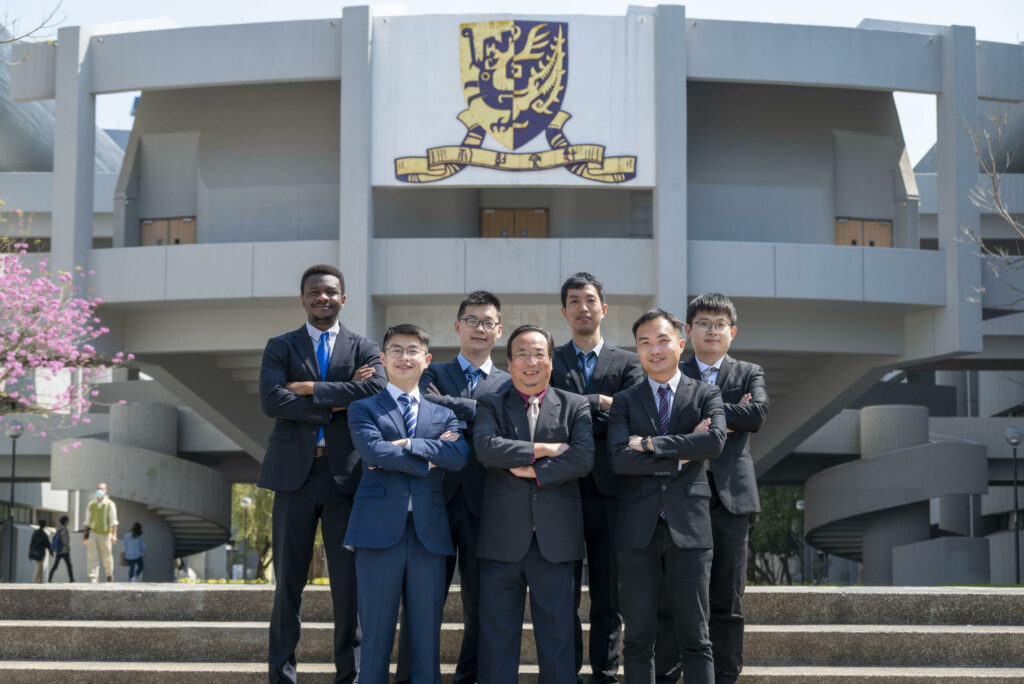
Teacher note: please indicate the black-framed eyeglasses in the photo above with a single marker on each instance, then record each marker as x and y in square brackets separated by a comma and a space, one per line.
[396, 352]
[487, 324]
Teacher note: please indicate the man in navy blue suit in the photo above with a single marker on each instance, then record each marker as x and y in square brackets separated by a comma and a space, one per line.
[399, 526]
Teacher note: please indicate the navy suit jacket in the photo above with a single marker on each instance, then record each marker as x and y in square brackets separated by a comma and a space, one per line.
[616, 369]
[291, 357]
[451, 381]
[393, 474]
[654, 481]
[734, 468]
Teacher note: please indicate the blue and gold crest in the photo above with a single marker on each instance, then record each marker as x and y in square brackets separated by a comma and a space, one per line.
[514, 78]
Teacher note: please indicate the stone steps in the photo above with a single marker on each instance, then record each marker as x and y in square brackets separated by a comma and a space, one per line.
[92, 672]
[218, 633]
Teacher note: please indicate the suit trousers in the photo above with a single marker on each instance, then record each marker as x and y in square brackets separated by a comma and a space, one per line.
[727, 584]
[502, 600]
[465, 529]
[295, 517]
[602, 579]
[664, 569]
[409, 573]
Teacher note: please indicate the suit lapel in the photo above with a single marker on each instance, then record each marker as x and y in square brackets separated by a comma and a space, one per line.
[684, 390]
[604, 360]
[455, 375]
[338, 353]
[390, 407]
[724, 370]
[690, 368]
[549, 409]
[647, 401]
[572, 366]
[517, 414]
[305, 350]
[493, 382]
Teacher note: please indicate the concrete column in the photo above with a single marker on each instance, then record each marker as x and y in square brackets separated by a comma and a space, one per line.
[888, 428]
[355, 218]
[958, 324]
[74, 151]
[669, 200]
[896, 527]
[145, 426]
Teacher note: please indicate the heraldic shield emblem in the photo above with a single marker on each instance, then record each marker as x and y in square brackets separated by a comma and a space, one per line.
[515, 76]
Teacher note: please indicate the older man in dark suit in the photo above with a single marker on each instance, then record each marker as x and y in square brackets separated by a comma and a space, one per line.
[307, 380]
[660, 433]
[589, 365]
[536, 442]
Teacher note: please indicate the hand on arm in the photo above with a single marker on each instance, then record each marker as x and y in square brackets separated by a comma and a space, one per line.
[604, 402]
[549, 449]
[526, 472]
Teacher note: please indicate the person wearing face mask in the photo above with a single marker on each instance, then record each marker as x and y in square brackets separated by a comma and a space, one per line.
[101, 534]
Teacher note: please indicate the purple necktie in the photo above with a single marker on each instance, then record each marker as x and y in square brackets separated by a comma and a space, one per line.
[664, 407]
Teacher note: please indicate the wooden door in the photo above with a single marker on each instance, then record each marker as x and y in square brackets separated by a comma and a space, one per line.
[153, 232]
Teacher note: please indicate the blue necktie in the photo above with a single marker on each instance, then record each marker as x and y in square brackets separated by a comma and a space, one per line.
[587, 364]
[473, 378]
[323, 359]
[408, 414]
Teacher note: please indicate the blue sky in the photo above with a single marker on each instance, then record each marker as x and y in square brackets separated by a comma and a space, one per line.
[995, 20]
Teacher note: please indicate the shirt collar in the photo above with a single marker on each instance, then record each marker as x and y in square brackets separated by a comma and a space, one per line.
[486, 366]
[717, 365]
[596, 350]
[314, 332]
[526, 397]
[396, 392]
[673, 383]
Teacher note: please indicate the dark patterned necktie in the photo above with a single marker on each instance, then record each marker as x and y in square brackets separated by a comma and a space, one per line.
[664, 407]
[473, 378]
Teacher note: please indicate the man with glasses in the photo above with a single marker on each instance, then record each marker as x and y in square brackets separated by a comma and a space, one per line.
[399, 527]
[590, 366]
[308, 379]
[535, 441]
[457, 385]
[711, 327]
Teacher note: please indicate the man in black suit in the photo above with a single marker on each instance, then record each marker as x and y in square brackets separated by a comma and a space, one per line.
[658, 442]
[711, 327]
[457, 385]
[535, 442]
[307, 380]
[590, 366]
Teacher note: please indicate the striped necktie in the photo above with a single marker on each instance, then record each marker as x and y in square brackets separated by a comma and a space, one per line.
[408, 414]
[664, 407]
[472, 378]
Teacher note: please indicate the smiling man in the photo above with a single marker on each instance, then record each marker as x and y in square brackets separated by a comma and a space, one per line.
[399, 527]
[307, 380]
[535, 441]
[592, 367]
[660, 434]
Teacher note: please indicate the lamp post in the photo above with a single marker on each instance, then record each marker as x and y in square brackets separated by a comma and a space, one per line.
[246, 504]
[800, 506]
[13, 431]
[1013, 438]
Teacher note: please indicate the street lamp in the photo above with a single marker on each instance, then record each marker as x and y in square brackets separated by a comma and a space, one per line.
[246, 504]
[13, 431]
[800, 506]
[1013, 438]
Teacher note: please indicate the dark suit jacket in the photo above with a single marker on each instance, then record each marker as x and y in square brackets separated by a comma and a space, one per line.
[734, 469]
[382, 501]
[449, 378]
[292, 358]
[513, 506]
[652, 481]
[616, 369]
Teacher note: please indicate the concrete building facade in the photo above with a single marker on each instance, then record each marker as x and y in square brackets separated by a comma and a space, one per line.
[763, 161]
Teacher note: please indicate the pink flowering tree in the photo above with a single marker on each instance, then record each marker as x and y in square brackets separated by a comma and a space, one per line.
[46, 335]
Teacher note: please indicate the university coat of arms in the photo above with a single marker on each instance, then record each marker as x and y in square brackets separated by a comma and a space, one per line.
[514, 78]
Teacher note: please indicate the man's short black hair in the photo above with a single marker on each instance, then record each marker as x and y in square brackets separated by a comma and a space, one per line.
[479, 298]
[321, 269]
[64, 520]
[712, 302]
[578, 281]
[410, 330]
[658, 313]
[522, 330]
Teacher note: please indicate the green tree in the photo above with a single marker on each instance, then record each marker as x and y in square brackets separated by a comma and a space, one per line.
[775, 535]
[253, 530]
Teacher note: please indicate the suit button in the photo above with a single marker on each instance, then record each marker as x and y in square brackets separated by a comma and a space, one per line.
[664, 487]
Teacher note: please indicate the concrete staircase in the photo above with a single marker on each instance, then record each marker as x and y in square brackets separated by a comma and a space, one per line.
[217, 634]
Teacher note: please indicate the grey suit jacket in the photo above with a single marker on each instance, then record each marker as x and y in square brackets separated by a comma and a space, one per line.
[513, 506]
[654, 481]
[616, 369]
[451, 381]
[734, 468]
